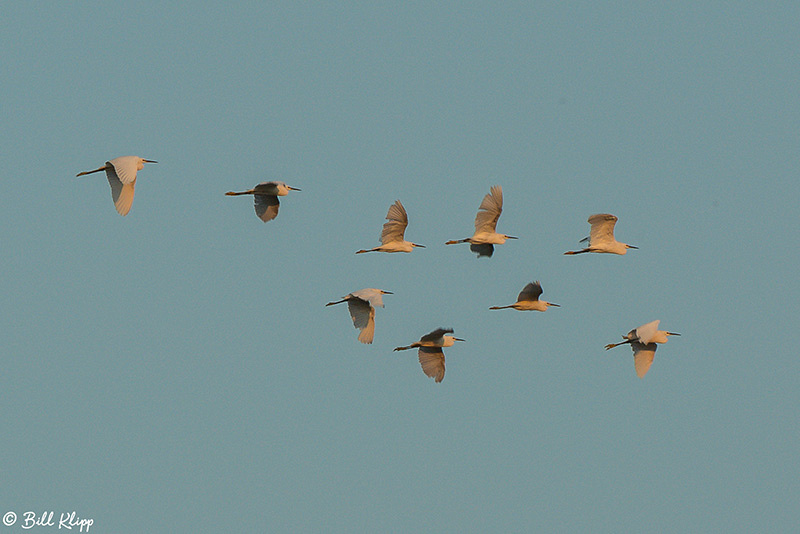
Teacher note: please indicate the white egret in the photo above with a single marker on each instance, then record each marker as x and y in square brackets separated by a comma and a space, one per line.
[393, 234]
[265, 198]
[485, 237]
[361, 305]
[601, 237]
[528, 299]
[643, 342]
[121, 174]
[431, 357]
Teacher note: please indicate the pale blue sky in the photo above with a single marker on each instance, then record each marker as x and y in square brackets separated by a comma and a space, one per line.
[176, 370]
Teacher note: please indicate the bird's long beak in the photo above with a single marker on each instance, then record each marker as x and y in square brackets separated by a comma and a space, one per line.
[631, 246]
[149, 161]
[420, 246]
[511, 237]
[293, 188]
[554, 304]
[459, 339]
[672, 334]
[388, 293]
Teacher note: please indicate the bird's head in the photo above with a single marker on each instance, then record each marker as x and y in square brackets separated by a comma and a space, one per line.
[284, 189]
[142, 161]
[449, 341]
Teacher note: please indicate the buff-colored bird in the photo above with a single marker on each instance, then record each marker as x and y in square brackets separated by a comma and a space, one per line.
[393, 234]
[528, 299]
[601, 237]
[431, 356]
[361, 305]
[121, 174]
[265, 198]
[485, 237]
[643, 342]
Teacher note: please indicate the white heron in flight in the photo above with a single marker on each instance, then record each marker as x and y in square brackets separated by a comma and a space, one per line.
[528, 299]
[431, 357]
[121, 174]
[601, 237]
[643, 342]
[361, 305]
[265, 197]
[485, 237]
[393, 234]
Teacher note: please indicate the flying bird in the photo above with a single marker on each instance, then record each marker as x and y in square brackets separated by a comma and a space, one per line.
[121, 174]
[485, 237]
[528, 299]
[643, 342]
[601, 238]
[361, 305]
[393, 234]
[265, 197]
[431, 357]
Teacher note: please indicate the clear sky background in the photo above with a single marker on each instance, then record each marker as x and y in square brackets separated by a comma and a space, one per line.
[176, 370]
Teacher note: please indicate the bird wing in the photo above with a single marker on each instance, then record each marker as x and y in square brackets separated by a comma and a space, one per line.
[432, 361]
[121, 193]
[643, 355]
[483, 249]
[266, 206]
[436, 335]
[125, 168]
[531, 291]
[489, 210]
[371, 295]
[394, 228]
[363, 316]
[647, 332]
[602, 228]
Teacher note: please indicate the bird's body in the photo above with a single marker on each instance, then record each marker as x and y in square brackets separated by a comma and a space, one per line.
[643, 342]
[121, 174]
[601, 237]
[265, 198]
[393, 234]
[528, 299]
[361, 305]
[485, 237]
[431, 356]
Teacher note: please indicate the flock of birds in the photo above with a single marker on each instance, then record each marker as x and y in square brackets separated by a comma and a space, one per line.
[121, 174]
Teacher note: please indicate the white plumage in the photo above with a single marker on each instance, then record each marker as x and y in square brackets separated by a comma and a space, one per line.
[121, 174]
